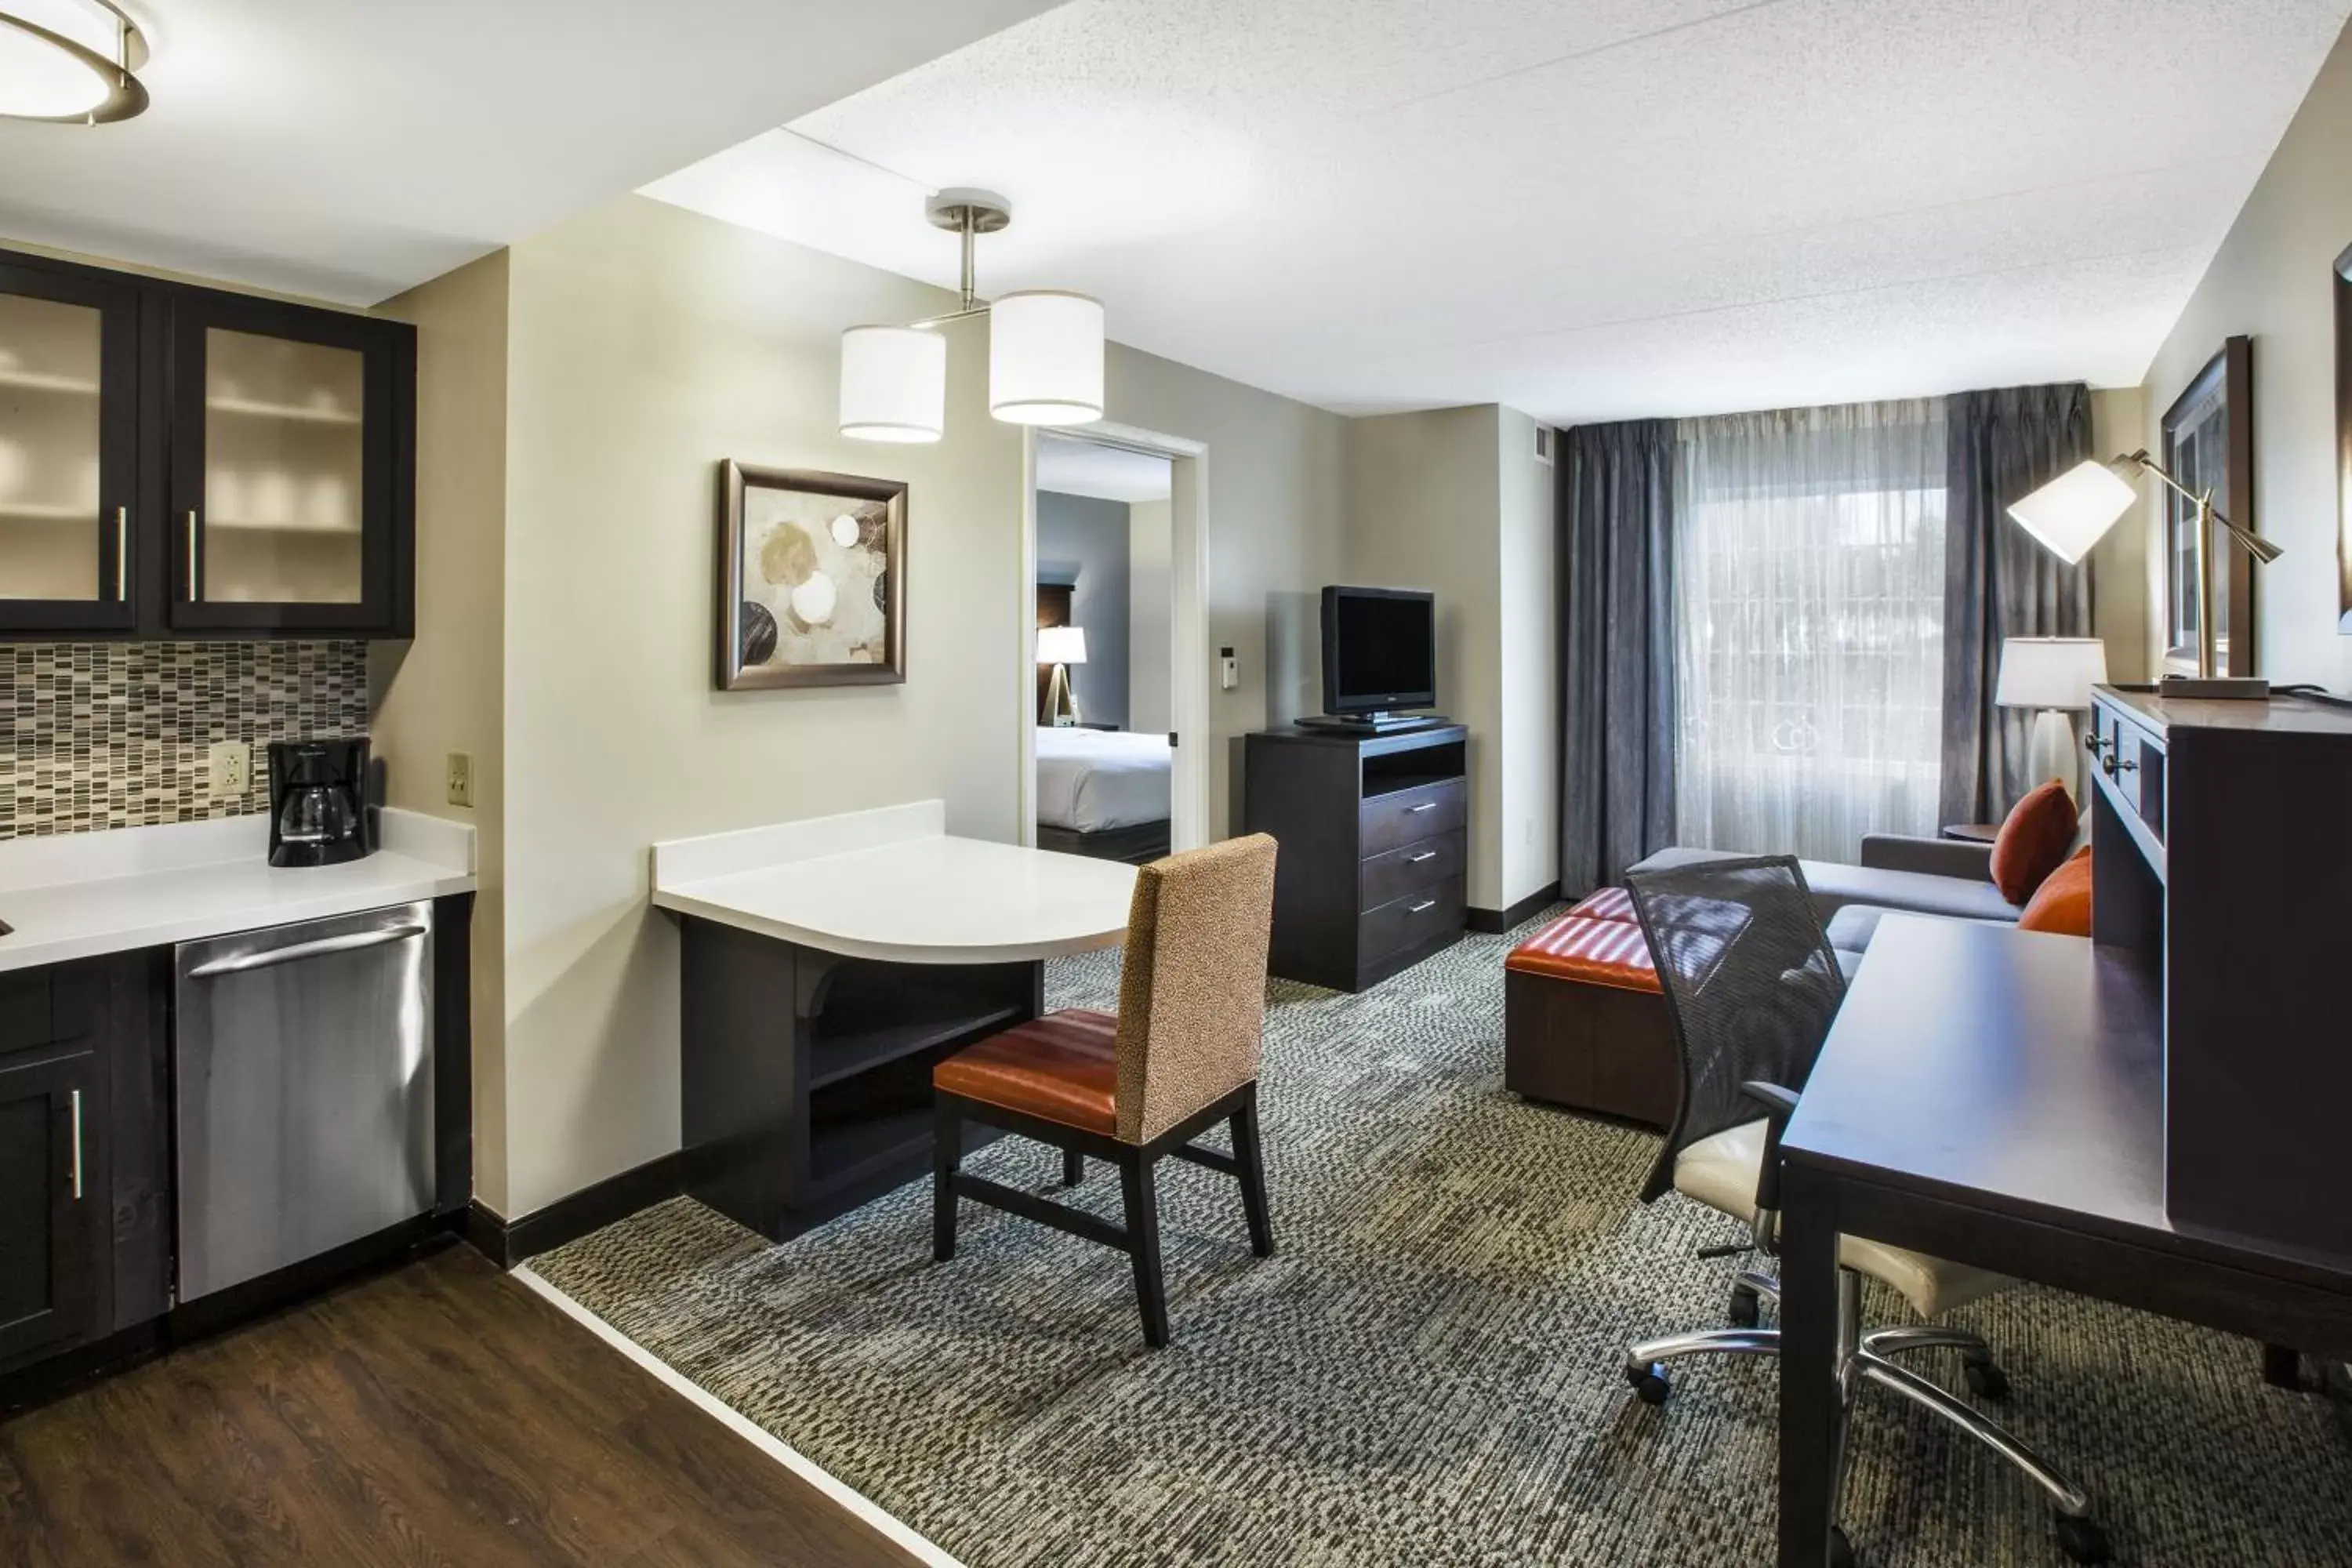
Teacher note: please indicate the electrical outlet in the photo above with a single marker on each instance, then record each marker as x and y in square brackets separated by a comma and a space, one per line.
[230, 764]
[461, 778]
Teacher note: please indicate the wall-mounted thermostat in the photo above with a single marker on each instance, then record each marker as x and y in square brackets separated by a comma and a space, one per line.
[1229, 669]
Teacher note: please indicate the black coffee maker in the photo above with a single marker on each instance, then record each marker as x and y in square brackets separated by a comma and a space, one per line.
[317, 802]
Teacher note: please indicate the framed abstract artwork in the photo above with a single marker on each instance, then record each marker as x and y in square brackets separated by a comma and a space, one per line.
[2209, 444]
[2344, 443]
[812, 579]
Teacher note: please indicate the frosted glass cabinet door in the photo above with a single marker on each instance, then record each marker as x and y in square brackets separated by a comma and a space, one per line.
[67, 354]
[282, 504]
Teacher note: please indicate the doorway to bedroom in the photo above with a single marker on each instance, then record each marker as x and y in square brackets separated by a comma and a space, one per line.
[1106, 770]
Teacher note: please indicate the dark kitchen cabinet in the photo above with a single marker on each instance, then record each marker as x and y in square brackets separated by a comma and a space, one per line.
[53, 1203]
[187, 463]
[85, 1152]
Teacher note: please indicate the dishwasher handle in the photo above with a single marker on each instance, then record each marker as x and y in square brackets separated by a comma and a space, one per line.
[269, 958]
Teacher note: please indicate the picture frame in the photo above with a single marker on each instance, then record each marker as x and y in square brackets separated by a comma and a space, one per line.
[812, 579]
[2209, 440]
[2344, 442]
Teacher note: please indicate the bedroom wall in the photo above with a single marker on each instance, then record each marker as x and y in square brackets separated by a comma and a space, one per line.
[1528, 623]
[1082, 540]
[2273, 280]
[1149, 587]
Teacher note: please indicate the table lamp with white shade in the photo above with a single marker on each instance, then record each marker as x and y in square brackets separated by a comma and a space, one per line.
[2072, 512]
[1061, 647]
[2054, 676]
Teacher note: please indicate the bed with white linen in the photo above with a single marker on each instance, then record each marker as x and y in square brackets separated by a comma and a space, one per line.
[1103, 792]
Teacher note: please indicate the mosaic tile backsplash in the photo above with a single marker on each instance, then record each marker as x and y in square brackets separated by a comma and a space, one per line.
[115, 734]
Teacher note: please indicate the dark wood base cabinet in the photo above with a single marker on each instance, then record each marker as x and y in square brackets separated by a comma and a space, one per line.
[1372, 874]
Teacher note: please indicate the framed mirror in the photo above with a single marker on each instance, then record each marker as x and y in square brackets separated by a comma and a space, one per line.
[2344, 442]
[2208, 442]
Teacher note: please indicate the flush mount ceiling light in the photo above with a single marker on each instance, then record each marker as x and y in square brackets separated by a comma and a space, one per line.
[69, 62]
[1045, 348]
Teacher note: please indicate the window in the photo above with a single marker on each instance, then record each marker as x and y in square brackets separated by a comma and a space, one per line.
[1809, 578]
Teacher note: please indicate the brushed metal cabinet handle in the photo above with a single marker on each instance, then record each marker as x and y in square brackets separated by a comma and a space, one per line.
[1417, 810]
[76, 1145]
[1422, 908]
[1417, 859]
[269, 958]
[192, 556]
[121, 554]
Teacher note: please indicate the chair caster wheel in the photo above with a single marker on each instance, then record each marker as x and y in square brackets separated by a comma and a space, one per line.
[1840, 1548]
[1743, 1311]
[1986, 1379]
[2082, 1539]
[1650, 1383]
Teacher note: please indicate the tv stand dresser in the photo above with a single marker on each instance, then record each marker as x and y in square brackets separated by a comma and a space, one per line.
[1374, 834]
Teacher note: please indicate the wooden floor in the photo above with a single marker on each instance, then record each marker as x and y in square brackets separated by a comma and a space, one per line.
[440, 1414]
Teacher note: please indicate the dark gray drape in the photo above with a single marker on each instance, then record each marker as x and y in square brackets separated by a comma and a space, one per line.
[1998, 582]
[1617, 649]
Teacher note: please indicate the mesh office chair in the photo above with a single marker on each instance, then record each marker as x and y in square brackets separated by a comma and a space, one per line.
[1752, 986]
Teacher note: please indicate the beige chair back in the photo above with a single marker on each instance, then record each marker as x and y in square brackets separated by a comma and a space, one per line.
[1192, 995]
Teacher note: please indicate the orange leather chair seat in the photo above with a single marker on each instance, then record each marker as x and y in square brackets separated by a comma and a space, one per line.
[1607, 904]
[1063, 1067]
[1611, 953]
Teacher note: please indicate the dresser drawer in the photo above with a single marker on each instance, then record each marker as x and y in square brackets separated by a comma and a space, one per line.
[1423, 863]
[1414, 917]
[1391, 821]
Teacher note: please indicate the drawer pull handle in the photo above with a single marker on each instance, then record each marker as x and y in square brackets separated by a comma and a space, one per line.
[1417, 810]
[193, 594]
[76, 1145]
[121, 554]
[1417, 859]
[1422, 908]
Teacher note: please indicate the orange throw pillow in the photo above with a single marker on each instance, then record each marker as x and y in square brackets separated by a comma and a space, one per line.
[2061, 905]
[2033, 840]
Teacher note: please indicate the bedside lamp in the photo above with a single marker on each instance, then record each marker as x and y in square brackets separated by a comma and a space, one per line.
[1061, 647]
[2053, 675]
[2069, 515]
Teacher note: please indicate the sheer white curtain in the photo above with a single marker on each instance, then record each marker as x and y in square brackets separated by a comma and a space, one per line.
[1808, 559]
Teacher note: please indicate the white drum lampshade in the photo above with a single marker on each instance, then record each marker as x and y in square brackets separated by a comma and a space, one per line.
[2074, 510]
[893, 383]
[1061, 644]
[1045, 358]
[2055, 676]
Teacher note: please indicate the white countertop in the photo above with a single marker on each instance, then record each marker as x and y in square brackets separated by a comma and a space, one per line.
[892, 884]
[80, 895]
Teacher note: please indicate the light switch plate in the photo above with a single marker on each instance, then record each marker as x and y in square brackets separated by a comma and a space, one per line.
[230, 765]
[461, 778]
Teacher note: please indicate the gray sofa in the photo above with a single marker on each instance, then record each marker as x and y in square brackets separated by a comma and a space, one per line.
[1916, 876]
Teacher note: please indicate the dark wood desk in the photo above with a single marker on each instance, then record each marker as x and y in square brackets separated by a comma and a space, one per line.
[1995, 1098]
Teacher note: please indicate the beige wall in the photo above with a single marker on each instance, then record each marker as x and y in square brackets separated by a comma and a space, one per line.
[1150, 680]
[2122, 597]
[1425, 510]
[1275, 509]
[443, 692]
[1528, 625]
[646, 344]
[2273, 280]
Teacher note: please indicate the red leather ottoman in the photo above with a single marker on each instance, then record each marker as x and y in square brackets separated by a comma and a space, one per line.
[1584, 1024]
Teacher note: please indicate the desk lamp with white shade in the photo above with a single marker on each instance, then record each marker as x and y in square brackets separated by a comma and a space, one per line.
[1061, 647]
[2053, 676]
[2073, 511]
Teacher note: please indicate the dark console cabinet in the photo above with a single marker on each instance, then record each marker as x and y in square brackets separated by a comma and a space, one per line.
[2221, 848]
[1371, 877]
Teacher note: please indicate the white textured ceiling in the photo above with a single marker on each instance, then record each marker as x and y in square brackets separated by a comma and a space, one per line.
[1107, 473]
[1583, 208]
[349, 149]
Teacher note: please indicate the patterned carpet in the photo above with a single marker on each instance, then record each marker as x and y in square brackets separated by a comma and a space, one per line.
[1427, 1373]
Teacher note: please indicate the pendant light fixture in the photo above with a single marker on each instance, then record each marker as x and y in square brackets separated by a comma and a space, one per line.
[69, 62]
[1044, 348]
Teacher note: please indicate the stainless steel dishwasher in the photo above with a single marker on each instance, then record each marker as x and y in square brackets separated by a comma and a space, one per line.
[303, 1084]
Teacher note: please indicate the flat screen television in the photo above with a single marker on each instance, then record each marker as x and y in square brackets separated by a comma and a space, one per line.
[1380, 651]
